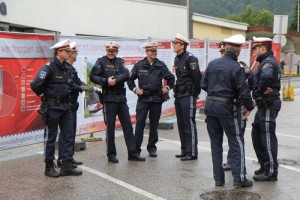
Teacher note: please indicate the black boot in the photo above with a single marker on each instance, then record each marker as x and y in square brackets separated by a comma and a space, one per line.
[50, 171]
[76, 162]
[68, 169]
[259, 171]
[59, 164]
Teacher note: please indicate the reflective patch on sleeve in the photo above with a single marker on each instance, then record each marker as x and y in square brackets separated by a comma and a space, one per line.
[42, 74]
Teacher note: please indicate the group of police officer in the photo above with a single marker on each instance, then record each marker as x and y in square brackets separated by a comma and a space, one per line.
[226, 80]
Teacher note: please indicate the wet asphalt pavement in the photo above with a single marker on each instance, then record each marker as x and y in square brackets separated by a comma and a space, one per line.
[165, 177]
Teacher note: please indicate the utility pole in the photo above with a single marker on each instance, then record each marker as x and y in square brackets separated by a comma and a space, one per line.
[298, 18]
[189, 18]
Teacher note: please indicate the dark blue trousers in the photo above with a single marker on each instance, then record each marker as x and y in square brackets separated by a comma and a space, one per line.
[111, 110]
[231, 125]
[243, 126]
[74, 118]
[142, 109]
[74, 122]
[185, 112]
[63, 119]
[264, 139]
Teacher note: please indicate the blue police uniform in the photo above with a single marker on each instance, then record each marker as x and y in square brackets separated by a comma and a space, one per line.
[225, 84]
[249, 75]
[150, 81]
[186, 91]
[54, 83]
[74, 105]
[263, 129]
[114, 98]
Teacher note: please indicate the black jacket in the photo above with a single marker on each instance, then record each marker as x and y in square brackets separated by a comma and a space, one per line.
[54, 83]
[150, 79]
[187, 73]
[105, 68]
[225, 78]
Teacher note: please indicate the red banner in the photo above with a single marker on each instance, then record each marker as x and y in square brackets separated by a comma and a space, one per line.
[21, 57]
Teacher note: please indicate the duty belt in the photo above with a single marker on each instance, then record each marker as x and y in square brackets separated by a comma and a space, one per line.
[151, 93]
[229, 101]
[114, 92]
[57, 100]
[188, 87]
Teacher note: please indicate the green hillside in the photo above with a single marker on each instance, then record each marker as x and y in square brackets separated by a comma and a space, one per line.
[222, 8]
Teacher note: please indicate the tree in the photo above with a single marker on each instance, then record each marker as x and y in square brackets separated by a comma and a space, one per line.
[261, 17]
[294, 24]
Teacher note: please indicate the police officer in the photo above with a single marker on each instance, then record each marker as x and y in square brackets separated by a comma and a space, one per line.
[53, 83]
[250, 81]
[110, 72]
[225, 84]
[150, 72]
[186, 91]
[78, 87]
[222, 47]
[267, 97]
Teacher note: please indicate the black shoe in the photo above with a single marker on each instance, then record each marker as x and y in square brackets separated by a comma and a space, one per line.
[259, 171]
[246, 183]
[226, 167]
[263, 177]
[152, 154]
[67, 169]
[59, 164]
[77, 162]
[113, 159]
[136, 158]
[186, 158]
[219, 183]
[180, 155]
[50, 170]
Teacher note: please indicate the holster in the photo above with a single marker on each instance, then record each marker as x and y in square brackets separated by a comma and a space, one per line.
[264, 101]
[190, 88]
[100, 95]
[234, 103]
[43, 112]
[164, 96]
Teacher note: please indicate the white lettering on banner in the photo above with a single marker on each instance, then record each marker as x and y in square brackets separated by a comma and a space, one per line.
[16, 48]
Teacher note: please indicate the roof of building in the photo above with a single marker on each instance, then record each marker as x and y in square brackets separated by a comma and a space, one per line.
[219, 22]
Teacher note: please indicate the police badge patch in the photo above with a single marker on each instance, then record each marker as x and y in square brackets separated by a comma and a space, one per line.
[266, 65]
[193, 65]
[42, 74]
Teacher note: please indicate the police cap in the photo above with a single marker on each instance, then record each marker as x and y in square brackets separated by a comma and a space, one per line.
[258, 41]
[112, 46]
[180, 39]
[235, 40]
[62, 45]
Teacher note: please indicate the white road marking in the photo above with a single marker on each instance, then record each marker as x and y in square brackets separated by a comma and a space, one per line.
[121, 183]
[118, 182]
